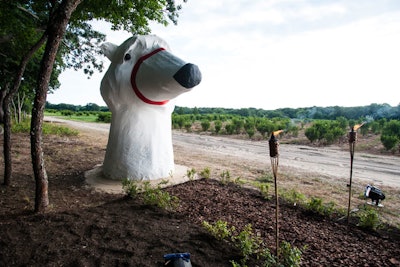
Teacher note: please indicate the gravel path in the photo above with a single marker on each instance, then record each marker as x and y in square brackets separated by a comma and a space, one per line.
[329, 161]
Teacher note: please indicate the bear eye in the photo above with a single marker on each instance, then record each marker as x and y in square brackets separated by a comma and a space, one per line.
[127, 57]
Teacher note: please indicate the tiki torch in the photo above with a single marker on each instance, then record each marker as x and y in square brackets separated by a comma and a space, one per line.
[274, 155]
[352, 144]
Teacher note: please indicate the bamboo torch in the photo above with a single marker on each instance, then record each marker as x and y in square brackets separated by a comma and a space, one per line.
[274, 155]
[352, 144]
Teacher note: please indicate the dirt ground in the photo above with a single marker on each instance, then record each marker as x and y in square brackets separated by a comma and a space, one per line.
[88, 228]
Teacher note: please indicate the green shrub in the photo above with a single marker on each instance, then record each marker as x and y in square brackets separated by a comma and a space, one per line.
[248, 242]
[205, 125]
[219, 229]
[188, 126]
[130, 187]
[294, 197]
[316, 205]
[151, 195]
[104, 117]
[217, 126]
[289, 256]
[368, 218]
[251, 246]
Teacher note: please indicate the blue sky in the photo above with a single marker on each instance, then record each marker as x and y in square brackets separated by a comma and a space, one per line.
[275, 54]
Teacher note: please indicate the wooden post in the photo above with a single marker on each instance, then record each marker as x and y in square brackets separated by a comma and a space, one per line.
[274, 154]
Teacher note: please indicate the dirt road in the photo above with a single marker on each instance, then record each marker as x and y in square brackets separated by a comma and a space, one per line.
[328, 161]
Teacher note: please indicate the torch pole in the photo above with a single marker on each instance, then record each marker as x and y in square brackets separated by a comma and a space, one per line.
[352, 144]
[274, 154]
[275, 163]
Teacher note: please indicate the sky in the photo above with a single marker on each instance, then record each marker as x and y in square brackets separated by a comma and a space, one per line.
[272, 54]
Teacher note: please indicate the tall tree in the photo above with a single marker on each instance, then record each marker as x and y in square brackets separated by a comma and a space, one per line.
[133, 16]
[55, 30]
[19, 31]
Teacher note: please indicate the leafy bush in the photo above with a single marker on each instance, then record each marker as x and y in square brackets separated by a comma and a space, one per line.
[104, 117]
[294, 197]
[368, 218]
[289, 256]
[67, 113]
[217, 126]
[130, 187]
[205, 125]
[391, 134]
[151, 195]
[219, 229]
[316, 205]
[325, 131]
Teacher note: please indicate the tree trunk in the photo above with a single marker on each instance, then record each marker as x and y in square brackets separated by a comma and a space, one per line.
[7, 110]
[56, 29]
[7, 136]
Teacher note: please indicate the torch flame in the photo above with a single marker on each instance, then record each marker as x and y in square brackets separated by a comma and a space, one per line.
[357, 126]
[277, 132]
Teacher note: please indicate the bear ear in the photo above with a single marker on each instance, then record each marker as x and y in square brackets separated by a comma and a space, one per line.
[108, 49]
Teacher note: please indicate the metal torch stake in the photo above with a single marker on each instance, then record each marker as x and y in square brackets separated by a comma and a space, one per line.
[352, 143]
[274, 154]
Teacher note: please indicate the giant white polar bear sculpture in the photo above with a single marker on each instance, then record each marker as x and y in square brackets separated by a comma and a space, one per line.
[139, 87]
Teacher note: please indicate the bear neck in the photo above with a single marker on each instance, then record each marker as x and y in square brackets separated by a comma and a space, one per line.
[140, 145]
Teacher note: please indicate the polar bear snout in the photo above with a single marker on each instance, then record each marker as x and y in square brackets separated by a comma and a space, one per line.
[188, 76]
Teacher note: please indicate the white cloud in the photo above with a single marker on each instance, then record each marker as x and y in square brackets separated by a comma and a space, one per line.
[274, 54]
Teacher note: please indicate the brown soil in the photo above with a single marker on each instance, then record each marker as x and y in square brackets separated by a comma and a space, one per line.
[88, 228]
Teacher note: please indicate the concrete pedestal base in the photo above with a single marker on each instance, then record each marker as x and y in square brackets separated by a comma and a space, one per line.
[95, 179]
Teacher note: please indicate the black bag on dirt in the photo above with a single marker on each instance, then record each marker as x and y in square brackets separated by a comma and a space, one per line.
[177, 260]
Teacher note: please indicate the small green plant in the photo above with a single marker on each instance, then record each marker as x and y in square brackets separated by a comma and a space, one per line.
[191, 174]
[155, 196]
[264, 189]
[248, 243]
[288, 255]
[219, 229]
[206, 173]
[225, 177]
[151, 195]
[130, 187]
[316, 205]
[294, 197]
[368, 218]
[251, 246]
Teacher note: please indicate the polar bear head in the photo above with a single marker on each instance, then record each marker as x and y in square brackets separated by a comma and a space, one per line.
[143, 71]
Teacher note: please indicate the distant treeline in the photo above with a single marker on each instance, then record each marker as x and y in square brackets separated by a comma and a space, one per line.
[70, 107]
[370, 112]
[373, 112]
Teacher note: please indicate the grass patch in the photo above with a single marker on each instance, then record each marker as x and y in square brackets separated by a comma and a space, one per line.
[47, 129]
[74, 116]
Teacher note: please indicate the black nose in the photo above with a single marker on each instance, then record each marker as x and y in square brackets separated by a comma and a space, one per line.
[188, 76]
